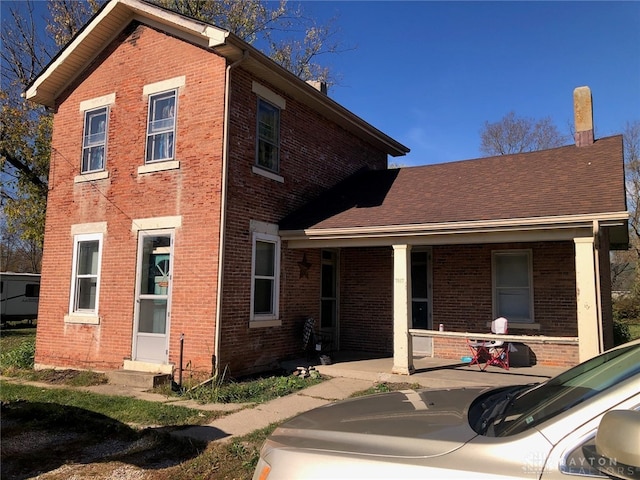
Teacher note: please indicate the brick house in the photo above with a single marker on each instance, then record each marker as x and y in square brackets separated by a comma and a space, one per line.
[205, 200]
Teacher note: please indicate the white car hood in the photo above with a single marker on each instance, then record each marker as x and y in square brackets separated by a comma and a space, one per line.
[408, 423]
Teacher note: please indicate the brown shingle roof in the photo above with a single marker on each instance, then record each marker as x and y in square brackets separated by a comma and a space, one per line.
[562, 181]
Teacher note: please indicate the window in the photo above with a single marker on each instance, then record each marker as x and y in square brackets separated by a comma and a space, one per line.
[265, 277]
[268, 148]
[512, 286]
[32, 290]
[94, 140]
[85, 284]
[161, 127]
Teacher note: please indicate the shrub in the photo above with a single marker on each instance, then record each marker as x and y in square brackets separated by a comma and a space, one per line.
[21, 357]
[627, 309]
[621, 332]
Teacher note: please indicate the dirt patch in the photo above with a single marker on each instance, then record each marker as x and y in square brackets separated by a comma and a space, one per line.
[71, 377]
[38, 442]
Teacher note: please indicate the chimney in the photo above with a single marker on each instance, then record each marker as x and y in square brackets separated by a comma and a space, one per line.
[318, 85]
[583, 112]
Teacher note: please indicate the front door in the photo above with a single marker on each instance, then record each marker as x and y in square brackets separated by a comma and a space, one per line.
[153, 295]
[420, 294]
[329, 329]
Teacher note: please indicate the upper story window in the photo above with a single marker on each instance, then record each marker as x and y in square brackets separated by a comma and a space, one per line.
[94, 140]
[513, 285]
[268, 148]
[161, 127]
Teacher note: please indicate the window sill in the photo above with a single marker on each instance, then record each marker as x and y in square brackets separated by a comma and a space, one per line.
[82, 319]
[90, 177]
[159, 166]
[523, 326]
[265, 323]
[267, 173]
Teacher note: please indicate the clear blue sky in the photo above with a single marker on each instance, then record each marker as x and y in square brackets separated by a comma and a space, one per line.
[430, 74]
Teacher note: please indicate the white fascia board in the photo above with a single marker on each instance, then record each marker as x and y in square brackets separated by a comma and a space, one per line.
[168, 21]
[567, 223]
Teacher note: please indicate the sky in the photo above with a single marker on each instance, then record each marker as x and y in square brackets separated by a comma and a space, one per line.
[431, 73]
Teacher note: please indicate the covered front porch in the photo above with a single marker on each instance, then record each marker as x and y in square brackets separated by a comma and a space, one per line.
[564, 286]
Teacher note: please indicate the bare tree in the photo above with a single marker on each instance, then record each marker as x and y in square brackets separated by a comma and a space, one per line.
[624, 263]
[513, 134]
[284, 33]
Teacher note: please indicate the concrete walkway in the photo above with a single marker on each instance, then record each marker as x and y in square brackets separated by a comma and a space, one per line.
[348, 376]
[247, 420]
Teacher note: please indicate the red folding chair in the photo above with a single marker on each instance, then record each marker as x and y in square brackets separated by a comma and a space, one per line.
[491, 352]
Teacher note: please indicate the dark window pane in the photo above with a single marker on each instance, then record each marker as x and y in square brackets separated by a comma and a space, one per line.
[265, 259]
[263, 296]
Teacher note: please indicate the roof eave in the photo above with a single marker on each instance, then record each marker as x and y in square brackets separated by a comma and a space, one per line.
[616, 220]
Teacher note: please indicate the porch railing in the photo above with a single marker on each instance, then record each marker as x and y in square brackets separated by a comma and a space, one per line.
[492, 336]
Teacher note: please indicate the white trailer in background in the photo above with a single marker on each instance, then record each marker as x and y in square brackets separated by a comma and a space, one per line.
[20, 295]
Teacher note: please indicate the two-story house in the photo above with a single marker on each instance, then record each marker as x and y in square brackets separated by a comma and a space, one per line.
[204, 202]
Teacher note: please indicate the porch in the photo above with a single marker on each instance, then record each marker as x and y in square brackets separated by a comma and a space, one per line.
[431, 372]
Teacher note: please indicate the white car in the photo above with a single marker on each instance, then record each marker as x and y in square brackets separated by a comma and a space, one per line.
[554, 430]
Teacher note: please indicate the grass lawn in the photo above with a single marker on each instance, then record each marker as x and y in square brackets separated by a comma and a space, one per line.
[68, 433]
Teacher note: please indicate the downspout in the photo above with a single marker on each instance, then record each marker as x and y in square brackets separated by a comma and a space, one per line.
[223, 204]
[596, 258]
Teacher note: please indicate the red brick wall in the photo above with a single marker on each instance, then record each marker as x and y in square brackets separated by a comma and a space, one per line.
[467, 268]
[366, 296]
[140, 56]
[314, 155]
[462, 298]
[550, 355]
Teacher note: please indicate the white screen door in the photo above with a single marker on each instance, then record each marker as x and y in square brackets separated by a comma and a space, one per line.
[153, 294]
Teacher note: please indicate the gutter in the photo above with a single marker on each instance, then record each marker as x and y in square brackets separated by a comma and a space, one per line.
[223, 206]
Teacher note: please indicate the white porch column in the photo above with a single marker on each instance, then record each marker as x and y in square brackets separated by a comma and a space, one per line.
[402, 346]
[586, 297]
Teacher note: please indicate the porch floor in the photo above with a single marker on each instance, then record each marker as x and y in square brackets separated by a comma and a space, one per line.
[429, 371]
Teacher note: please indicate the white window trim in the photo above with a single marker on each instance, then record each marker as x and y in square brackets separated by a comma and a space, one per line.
[268, 95]
[271, 319]
[159, 166]
[89, 316]
[91, 177]
[258, 170]
[104, 146]
[156, 223]
[172, 159]
[91, 104]
[103, 101]
[529, 254]
[275, 173]
[174, 83]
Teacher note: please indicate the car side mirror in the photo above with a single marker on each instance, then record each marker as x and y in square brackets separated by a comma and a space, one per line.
[618, 444]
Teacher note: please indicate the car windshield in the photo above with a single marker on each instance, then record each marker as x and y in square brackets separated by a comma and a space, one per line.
[511, 410]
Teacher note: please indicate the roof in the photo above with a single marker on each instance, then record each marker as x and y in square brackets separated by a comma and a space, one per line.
[67, 66]
[565, 185]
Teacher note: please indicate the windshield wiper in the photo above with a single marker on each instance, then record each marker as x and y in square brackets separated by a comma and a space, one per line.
[499, 411]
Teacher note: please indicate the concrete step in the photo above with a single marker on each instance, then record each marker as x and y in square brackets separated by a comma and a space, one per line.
[132, 378]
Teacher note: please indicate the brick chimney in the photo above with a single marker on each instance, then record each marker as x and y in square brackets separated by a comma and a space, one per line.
[318, 85]
[583, 112]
